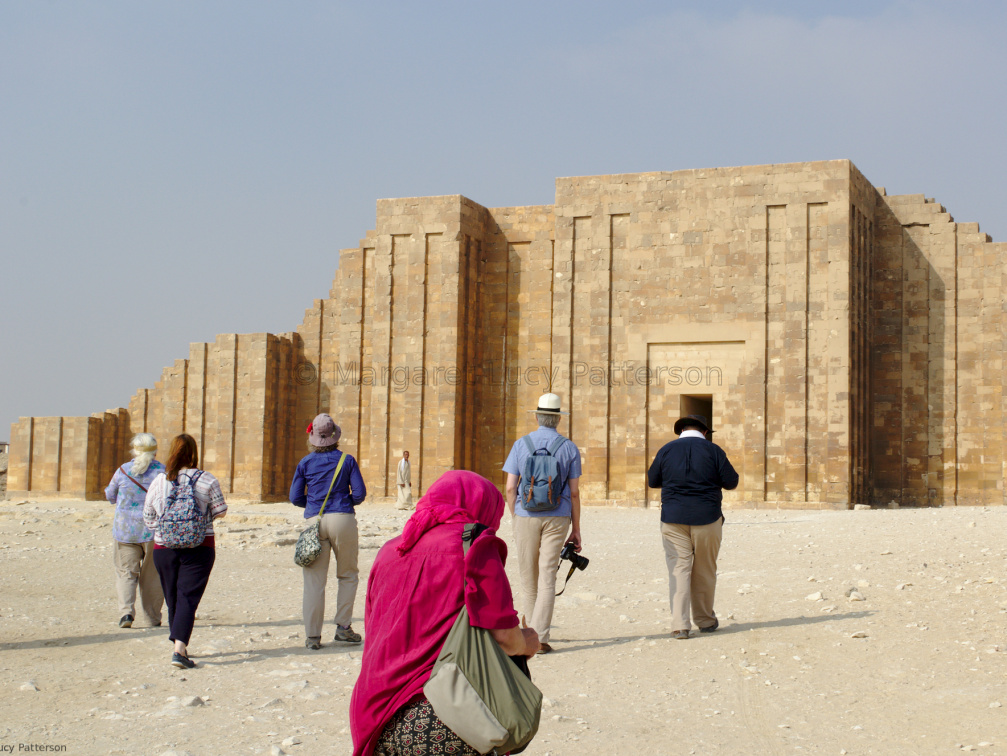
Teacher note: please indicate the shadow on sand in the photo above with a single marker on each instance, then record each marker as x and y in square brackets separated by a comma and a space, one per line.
[733, 627]
[128, 634]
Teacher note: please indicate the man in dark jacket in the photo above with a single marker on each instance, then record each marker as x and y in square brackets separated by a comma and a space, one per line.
[691, 471]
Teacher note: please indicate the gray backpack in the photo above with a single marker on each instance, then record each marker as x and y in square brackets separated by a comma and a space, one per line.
[541, 486]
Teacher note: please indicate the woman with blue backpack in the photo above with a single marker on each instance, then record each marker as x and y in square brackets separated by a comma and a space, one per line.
[180, 508]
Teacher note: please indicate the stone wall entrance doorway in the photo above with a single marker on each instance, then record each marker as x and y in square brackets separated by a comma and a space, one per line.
[697, 404]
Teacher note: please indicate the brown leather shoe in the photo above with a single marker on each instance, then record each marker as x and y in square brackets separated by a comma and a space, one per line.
[680, 635]
[545, 649]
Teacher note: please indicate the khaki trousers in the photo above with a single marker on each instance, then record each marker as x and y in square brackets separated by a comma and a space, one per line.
[134, 567]
[538, 541]
[338, 532]
[691, 554]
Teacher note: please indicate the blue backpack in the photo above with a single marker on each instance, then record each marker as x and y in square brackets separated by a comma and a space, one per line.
[183, 523]
[541, 487]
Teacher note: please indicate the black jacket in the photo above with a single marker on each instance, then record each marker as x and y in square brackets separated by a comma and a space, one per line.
[691, 473]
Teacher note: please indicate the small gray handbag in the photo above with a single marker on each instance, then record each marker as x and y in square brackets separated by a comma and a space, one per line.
[309, 543]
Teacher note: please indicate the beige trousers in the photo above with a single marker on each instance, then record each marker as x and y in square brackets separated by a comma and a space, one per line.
[538, 541]
[338, 532]
[691, 554]
[134, 568]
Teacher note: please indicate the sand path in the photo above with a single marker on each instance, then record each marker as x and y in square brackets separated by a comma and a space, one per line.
[785, 674]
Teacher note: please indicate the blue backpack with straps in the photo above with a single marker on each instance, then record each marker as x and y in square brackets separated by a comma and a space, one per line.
[541, 486]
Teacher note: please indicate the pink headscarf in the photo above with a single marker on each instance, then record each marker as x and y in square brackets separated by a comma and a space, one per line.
[417, 585]
[456, 496]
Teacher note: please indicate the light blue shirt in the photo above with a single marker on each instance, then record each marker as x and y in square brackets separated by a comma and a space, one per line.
[568, 458]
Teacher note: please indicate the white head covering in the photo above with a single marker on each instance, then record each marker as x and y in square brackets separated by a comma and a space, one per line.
[144, 448]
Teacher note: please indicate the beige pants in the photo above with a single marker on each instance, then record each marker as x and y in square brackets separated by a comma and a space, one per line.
[691, 553]
[134, 567]
[337, 531]
[538, 541]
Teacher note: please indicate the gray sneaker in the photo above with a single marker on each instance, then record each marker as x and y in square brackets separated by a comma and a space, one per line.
[314, 643]
[346, 635]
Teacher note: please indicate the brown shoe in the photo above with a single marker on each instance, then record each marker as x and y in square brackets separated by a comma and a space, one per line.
[545, 649]
[680, 635]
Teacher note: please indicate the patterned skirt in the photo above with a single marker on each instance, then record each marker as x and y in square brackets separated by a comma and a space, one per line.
[416, 731]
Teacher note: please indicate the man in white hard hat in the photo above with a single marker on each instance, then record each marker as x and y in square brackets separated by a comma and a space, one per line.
[543, 497]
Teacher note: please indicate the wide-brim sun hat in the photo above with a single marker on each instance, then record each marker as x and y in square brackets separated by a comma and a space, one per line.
[323, 432]
[549, 404]
[692, 420]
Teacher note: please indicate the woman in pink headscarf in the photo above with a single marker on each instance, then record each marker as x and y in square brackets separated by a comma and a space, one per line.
[417, 586]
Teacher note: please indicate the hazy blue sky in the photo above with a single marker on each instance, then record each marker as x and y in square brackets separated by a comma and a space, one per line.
[174, 170]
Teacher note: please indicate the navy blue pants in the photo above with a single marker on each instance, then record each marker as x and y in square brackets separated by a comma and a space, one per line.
[184, 574]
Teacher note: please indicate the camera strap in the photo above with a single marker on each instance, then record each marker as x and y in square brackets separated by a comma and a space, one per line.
[568, 576]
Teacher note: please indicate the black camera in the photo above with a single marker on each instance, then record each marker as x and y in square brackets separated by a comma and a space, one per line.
[578, 561]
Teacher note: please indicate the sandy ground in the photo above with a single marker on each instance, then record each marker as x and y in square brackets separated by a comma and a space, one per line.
[916, 667]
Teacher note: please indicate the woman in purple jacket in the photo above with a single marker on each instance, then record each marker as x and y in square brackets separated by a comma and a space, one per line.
[316, 482]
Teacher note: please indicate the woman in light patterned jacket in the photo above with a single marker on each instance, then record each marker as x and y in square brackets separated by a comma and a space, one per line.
[134, 543]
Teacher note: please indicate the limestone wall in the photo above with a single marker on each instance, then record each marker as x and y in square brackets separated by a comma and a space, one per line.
[237, 398]
[408, 323]
[513, 305]
[64, 457]
[717, 284]
[937, 359]
[848, 346]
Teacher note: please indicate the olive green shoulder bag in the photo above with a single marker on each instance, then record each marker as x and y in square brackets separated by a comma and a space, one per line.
[478, 691]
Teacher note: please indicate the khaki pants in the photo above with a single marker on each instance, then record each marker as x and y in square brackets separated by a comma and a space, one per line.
[337, 531]
[691, 554]
[538, 541]
[134, 567]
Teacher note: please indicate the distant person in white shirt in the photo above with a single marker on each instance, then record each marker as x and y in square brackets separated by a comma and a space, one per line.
[404, 480]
